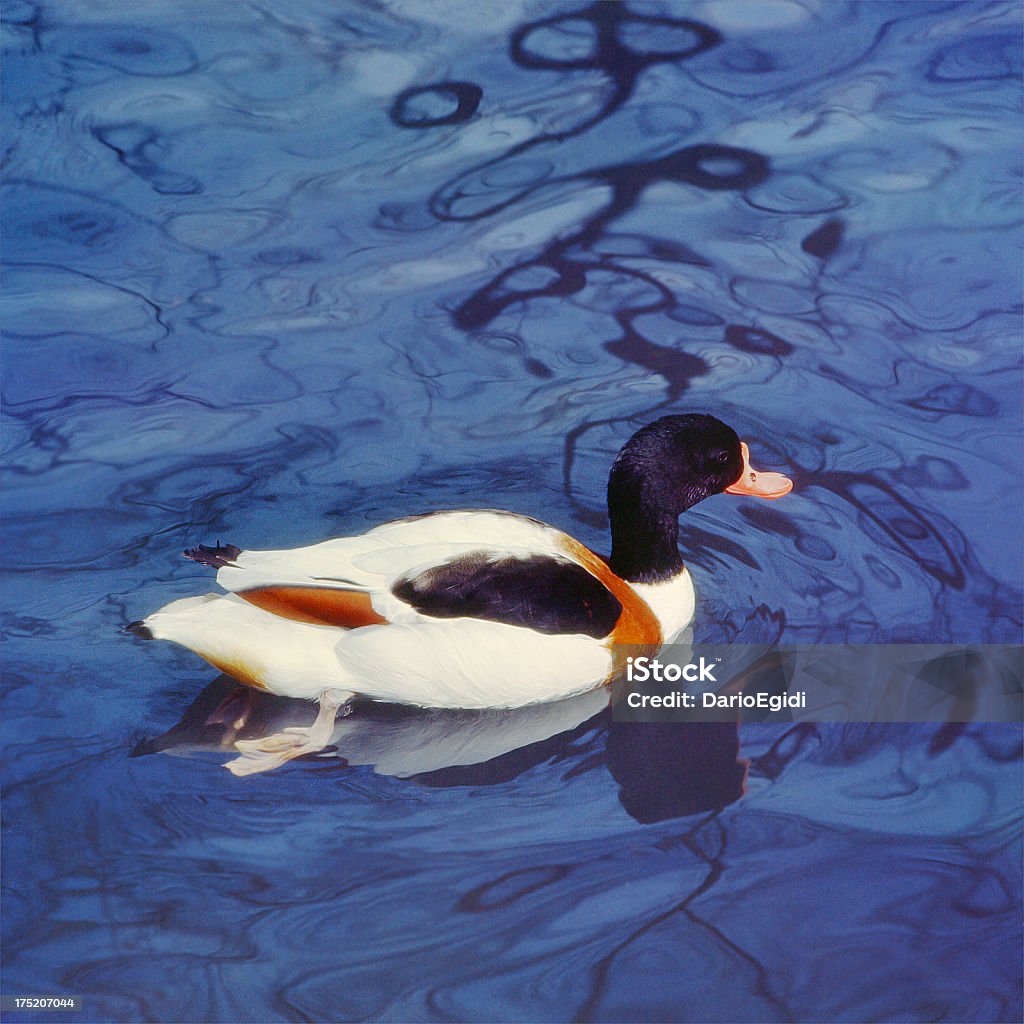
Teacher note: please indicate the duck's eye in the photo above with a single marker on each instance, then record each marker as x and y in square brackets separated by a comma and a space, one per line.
[723, 456]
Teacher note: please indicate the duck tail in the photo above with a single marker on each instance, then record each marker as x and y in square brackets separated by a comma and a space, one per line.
[215, 557]
[248, 643]
[165, 623]
[138, 628]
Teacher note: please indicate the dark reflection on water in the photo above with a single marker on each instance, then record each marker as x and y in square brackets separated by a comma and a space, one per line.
[273, 273]
[663, 771]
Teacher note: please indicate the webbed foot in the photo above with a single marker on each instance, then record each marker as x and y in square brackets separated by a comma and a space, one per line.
[269, 752]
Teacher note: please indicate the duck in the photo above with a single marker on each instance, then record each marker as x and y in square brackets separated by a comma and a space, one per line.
[466, 609]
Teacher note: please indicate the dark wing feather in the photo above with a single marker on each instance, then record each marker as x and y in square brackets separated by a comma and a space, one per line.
[544, 593]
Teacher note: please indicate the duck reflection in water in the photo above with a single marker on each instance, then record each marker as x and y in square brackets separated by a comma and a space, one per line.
[663, 769]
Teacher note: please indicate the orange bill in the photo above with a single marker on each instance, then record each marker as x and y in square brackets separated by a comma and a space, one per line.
[756, 484]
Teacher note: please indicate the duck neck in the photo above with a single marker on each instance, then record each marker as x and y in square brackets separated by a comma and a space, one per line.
[645, 545]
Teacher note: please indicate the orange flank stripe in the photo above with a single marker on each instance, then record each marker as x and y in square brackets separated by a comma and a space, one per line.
[321, 606]
[243, 673]
[637, 624]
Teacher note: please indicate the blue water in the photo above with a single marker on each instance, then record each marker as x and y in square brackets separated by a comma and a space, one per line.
[274, 273]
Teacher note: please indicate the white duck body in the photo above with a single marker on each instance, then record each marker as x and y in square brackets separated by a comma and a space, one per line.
[380, 645]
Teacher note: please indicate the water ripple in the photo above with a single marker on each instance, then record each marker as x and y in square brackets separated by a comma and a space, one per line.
[276, 275]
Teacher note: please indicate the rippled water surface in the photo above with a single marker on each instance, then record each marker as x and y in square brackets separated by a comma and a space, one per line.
[277, 272]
